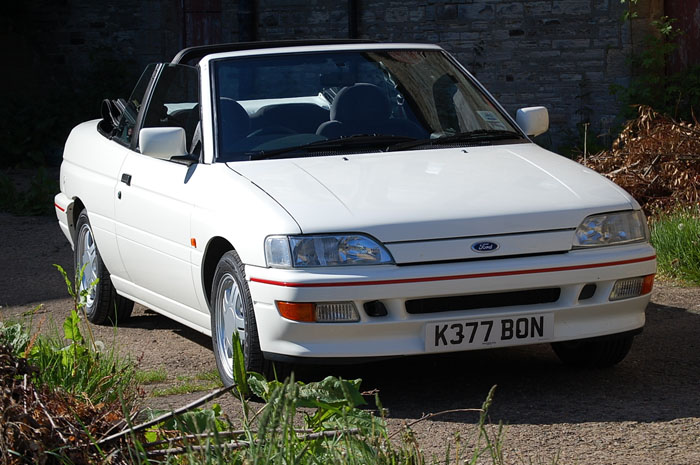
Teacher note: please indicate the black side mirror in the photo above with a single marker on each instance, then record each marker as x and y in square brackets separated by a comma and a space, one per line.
[110, 113]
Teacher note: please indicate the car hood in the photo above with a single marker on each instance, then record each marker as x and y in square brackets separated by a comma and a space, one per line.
[434, 194]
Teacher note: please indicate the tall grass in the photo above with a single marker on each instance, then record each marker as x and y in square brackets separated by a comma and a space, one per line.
[676, 238]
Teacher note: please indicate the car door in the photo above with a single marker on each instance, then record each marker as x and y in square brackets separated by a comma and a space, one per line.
[154, 206]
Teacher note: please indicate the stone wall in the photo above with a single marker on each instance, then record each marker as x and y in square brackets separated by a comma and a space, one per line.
[563, 54]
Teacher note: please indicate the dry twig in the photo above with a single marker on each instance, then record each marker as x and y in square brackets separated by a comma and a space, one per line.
[433, 415]
[655, 158]
[203, 400]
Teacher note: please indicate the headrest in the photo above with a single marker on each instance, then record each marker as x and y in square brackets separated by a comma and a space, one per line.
[305, 116]
[235, 121]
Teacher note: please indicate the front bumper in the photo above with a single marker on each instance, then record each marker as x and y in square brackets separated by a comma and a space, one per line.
[401, 333]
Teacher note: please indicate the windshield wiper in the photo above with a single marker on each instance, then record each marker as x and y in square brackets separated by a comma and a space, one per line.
[469, 136]
[379, 141]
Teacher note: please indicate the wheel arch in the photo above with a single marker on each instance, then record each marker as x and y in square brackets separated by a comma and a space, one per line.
[215, 249]
[76, 207]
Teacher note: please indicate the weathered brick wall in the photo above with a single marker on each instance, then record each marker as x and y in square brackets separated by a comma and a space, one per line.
[563, 54]
[65, 35]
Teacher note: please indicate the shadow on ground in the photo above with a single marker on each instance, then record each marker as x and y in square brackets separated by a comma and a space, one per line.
[658, 381]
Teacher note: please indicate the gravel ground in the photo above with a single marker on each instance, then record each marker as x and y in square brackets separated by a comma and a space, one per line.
[644, 411]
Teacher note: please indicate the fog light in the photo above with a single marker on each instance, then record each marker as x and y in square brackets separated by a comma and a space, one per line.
[334, 312]
[375, 308]
[329, 312]
[627, 288]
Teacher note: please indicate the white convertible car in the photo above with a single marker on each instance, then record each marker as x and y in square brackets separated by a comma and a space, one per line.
[335, 201]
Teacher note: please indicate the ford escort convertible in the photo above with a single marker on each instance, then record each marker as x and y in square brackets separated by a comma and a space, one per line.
[337, 201]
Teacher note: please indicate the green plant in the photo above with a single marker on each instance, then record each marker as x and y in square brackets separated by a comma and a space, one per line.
[212, 375]
[677, 94]
[158, 375]
[324, 422]
[185, 387]
[83, 366]
[676, 238]
[57, 397]
[629, 13]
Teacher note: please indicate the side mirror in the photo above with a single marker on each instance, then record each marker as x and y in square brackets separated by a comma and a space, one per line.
[111, 112]
[162, 142]
[533, 120]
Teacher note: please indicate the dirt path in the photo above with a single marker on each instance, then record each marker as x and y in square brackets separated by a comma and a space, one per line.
[644, 411]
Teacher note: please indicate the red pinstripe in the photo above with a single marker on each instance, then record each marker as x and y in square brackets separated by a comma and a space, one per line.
[450, 278]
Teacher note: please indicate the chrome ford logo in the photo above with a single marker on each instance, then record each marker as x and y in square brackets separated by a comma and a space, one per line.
[484, 246]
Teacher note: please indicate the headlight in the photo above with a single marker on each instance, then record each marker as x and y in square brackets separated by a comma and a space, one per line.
[611, 229]
[324, 250]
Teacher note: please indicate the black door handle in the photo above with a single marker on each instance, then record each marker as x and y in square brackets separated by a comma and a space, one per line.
[126, 179]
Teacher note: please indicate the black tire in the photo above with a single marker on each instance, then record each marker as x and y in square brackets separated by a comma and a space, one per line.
[231, 304]
[599, 352]
[103, 305]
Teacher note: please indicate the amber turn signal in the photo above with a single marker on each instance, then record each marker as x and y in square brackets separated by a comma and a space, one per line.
[297, 311]
[648, 284]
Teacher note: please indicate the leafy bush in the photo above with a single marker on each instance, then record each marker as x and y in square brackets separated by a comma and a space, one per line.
[677, 94]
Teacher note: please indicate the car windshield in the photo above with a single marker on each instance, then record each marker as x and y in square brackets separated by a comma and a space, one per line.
[361, 101]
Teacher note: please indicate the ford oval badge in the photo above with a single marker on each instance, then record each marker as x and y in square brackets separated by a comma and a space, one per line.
[485, 246]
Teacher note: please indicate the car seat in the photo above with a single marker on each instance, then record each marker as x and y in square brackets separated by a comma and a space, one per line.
[364, 109]
[234, 124]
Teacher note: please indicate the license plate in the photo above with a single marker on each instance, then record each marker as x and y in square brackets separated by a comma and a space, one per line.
[488, 332]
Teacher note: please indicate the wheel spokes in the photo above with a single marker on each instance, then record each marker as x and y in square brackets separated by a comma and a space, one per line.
[88, 264]
[229, 318]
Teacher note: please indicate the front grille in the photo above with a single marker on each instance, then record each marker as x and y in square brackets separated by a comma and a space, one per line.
[483, 259]
[474, 301]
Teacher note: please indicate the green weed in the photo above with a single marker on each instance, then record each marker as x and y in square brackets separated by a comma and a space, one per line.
[77, 364]
[15, 335]
[674, 94]
[186, 387]
[159, 375]
[212, 375]
[324, 422]
[676, 238]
